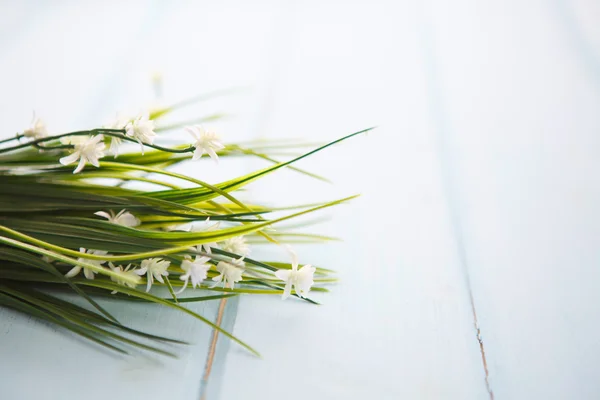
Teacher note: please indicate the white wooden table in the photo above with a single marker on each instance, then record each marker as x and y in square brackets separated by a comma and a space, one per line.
[480, 281]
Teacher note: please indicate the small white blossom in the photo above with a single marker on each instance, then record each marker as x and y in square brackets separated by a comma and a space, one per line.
[124, 271]
[205, 142]
[302, 279]
[88, 273]
[120, 122]
[230, 272]
[205, 227]
[115, 142]
[86, 151]
[236, 245]
[153, 268]
[195, 270]
[124, 218]
[141, 129]
[37, 130]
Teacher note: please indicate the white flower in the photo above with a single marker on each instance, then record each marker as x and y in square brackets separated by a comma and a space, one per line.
[89, 274]
[115, 142]
[153, 268]
[141, 129]
[120, 122]
[302, 279]
[89, 150]
[124, 218]
[205, 227]
[206, 142]
[236, 245]
[37, 130]
[231, 272]
[124, 271]
[195, 270]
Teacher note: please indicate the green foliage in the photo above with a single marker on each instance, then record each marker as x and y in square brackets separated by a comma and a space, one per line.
[47, 215]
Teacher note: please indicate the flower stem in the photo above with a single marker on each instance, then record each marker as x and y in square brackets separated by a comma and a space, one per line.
[17, 137]
[118, 133]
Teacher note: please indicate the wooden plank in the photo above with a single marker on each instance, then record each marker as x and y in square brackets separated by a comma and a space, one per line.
[521, 98]
[399, 324]
[65, 367]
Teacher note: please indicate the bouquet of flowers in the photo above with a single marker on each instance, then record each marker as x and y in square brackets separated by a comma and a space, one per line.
[70, 220]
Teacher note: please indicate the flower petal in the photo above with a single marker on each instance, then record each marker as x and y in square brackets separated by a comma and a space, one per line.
[192, 130]
[96, 139]
[149, 282]
[80, 165]
[283, 274]
[184, 285]
[197, 153]
[287, 291]
[73, 272]
[103, 214]
[70, 159]
[212, 154]
[94, 161]
[88, 273]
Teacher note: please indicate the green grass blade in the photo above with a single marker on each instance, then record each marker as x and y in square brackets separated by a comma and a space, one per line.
[136, 293]
[28, 309]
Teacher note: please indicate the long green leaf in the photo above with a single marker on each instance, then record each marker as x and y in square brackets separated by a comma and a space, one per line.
[155, 299]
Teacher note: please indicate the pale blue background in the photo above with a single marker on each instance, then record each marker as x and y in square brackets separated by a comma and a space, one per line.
[486, 160]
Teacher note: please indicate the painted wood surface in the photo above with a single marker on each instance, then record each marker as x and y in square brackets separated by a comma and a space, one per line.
[400, 323]
[519, 98]
[486, 153]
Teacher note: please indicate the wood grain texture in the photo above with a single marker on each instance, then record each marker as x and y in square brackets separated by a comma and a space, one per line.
[399, 324]
[520, 95]
[40, 360]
